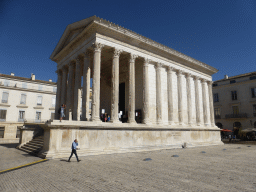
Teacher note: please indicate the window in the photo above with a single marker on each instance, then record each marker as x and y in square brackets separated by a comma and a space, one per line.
[216, 97]
[5, 97]
[39, 100]
[24, 85]
[234, 95]
[1, 132]
[217, 113]
[90, 105]
[253, 77]
[40, 87]
[214, 84]
[53, 101]
[3, 114]
[23, 99]
[253, 92]
[235, 110]
[233, 81]
[55, 89]
[18, 133]
[52, 115]
[21, 115]
[38, 116]
[7, 83]
[254, 110]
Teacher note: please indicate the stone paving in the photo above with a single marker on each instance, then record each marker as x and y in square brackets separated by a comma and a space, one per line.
[220, 168]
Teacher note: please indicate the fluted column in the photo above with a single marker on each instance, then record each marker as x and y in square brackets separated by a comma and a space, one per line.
[189, 98]
[70, 92]
[58, 94]
[197, 100]
[206, 123]
[63, 90]
[170, 95]
[180, 99]
[86, 87]
[115, 86]
[146, 119]
[131, 107]
[158, 94]
[211, 103]
[76, 109]
[97, 47]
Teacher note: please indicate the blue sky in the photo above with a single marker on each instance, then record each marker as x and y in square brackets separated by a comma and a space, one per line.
[218, 33]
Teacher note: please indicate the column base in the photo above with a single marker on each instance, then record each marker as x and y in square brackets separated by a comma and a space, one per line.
[132, 121]
[96, 120]
[115, 121]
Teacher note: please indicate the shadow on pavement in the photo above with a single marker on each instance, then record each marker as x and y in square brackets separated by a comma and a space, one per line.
[11, 145]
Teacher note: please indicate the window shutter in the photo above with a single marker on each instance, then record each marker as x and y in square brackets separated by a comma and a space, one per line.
[5, 97]
[23, 99]
[39, 100]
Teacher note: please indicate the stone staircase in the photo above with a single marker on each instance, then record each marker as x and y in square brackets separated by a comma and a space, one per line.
[34, 146]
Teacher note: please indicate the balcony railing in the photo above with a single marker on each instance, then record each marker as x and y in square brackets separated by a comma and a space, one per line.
[240, 115]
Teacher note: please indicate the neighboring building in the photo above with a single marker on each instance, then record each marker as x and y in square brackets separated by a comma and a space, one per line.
[235, 102]
[24, 100]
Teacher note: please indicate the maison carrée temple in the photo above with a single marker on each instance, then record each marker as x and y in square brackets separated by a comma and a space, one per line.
[156, 97]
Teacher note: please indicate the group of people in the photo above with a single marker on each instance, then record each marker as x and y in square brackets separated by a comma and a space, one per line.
[105, 117]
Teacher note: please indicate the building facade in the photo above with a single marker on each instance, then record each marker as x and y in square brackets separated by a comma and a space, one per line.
[24, 100]
[235, 102]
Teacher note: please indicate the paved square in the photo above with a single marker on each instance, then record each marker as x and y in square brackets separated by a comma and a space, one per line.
[231, 167]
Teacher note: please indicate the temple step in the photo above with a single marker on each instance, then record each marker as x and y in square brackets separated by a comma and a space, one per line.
[33, 146]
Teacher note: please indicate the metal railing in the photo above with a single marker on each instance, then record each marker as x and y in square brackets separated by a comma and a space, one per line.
[239, 115]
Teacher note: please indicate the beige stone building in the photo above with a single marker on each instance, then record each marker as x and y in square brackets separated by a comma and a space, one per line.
[163, 96]
[235, 101]
[24, 100]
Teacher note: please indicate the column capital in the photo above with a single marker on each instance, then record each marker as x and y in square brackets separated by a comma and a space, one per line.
[71, 64]
[202, 80]
[86, 54]
[117, 52]
[188, 75]
[64, 68]
[59, 71]
[179, 72]
[170, 69]
[97, 46]
[209, 83]
[195, 77]
[147, 61]
[78, 60]
[158, 65]
[133, 57]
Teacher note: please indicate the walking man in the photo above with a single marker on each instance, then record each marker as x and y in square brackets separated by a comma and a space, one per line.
[74, 147]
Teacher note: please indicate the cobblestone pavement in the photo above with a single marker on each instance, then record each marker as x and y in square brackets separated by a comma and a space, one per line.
[215, 168]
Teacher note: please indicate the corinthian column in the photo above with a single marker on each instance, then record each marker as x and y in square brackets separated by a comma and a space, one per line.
[58, 95]
[64, 85]
[206, 123]
[170, 95]
[86, 87]
[197, 100]
[96, 82]
[131, 109]
[146, 119]
[76, 110]
[158, 94]
[180, 100]
[70, 92]
[189, 95]
[115, 87]
[211, 103]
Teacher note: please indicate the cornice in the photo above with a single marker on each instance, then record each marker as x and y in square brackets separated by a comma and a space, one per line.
[27, 90]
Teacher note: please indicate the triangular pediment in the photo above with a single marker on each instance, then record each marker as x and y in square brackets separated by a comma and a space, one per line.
[71, 32]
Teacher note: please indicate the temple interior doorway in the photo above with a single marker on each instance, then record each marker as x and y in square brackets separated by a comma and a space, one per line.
[122, 101]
